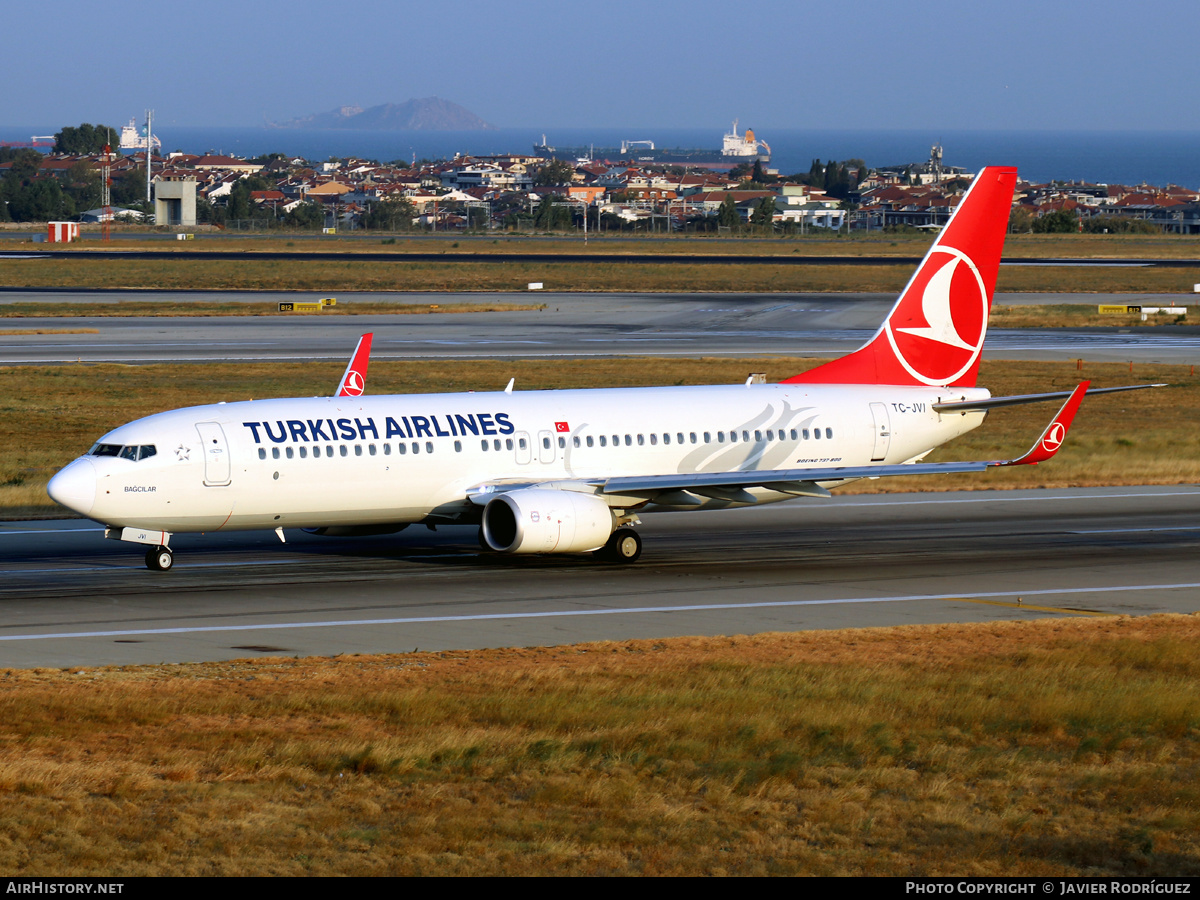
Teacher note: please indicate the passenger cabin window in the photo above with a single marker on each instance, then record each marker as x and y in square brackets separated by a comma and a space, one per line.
[275, 453]
[262, 452]
[458, 446]
[829, 433]
[562, 443]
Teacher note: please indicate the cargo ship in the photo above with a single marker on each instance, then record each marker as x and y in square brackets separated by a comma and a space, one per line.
[736, 148]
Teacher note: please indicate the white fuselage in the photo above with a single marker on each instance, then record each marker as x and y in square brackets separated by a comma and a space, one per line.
[409, 458]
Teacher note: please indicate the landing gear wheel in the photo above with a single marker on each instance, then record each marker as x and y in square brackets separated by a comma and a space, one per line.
[159, 559]
[624, 546]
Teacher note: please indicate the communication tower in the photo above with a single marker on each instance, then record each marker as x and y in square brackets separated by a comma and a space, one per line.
[106, 194]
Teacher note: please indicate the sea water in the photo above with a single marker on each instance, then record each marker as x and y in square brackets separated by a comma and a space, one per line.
[1120, 157]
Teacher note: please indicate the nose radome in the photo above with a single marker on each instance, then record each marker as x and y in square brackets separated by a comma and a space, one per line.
[75, 486]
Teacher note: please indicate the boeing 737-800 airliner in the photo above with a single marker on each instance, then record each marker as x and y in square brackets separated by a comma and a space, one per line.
[571, 471]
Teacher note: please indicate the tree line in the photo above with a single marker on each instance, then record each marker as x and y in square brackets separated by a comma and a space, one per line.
[26, 196]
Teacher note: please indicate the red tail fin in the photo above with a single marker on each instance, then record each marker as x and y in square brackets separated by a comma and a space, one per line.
[354, 379]
[934, 334]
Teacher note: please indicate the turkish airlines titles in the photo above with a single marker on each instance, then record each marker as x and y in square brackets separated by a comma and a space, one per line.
[311, 430]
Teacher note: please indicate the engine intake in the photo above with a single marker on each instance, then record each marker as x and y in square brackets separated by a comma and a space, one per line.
[541, 520]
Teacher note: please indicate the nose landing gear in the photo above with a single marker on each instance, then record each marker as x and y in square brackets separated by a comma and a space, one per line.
[159, 559]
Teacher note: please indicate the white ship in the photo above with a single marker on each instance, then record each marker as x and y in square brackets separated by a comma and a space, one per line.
[132, 140]
[744, 148]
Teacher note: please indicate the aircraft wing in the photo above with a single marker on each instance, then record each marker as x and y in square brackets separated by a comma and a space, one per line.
[807, 481]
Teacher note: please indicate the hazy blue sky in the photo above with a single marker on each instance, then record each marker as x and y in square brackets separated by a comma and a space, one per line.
[544, 64]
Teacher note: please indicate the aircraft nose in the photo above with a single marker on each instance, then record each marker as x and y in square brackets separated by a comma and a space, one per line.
[75, 486]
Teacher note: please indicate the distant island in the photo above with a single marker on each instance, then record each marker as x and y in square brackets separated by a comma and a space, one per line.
[426, 114]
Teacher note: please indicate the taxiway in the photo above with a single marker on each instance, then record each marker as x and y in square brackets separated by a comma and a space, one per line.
[70, 598]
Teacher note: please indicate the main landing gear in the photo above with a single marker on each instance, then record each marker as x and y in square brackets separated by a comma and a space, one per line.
[159, 559]
[624, 546]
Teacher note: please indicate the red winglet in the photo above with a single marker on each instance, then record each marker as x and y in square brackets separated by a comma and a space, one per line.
[1056, 432]
[354, 379]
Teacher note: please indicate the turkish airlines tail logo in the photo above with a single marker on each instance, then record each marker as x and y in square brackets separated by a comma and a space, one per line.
[934, 334]
[354, 385]
[935, 305]
[354, 379]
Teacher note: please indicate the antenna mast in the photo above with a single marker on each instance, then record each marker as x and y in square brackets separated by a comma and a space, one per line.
[106, 194]
[149, 151]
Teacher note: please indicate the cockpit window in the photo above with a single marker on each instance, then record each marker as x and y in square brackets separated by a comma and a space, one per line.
[130, 451]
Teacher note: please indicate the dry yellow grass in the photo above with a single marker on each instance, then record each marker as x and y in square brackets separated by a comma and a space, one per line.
[1051, 748]
[345, 275]
[1072, 246]
[205, 309]
[1075, 315]
[16, 331]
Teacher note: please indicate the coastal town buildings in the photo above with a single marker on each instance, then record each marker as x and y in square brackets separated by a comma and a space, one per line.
[498, 191]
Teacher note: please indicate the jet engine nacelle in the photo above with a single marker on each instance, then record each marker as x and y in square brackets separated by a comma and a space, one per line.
[541, 520]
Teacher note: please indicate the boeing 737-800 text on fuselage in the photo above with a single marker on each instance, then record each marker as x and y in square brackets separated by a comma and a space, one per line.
[570, 471]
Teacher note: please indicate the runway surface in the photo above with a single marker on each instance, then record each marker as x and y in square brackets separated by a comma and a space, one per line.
[70, 598]
[575, 325]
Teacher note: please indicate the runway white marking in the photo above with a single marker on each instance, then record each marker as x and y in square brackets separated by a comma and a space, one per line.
[571, 613]
[1195, 527]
